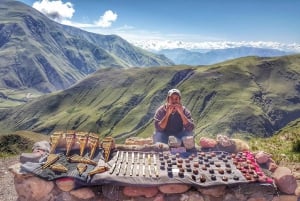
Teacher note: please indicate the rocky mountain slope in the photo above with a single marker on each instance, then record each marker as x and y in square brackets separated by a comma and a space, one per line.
[251, 96]
[39, 54]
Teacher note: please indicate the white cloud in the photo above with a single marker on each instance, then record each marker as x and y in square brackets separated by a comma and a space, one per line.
[150, 40]
[56, 10]
[156, 45]
[63, 12]
[107, 19]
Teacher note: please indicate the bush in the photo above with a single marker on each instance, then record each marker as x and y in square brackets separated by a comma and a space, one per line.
[14, 144]
[296, 146]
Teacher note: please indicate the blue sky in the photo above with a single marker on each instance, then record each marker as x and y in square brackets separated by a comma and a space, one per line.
[213, 22]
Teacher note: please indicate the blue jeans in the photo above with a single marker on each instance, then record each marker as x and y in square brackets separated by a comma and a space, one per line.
[164, 137]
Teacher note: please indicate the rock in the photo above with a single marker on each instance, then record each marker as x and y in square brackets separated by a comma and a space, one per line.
[30, 157]
[240, 196]
[159, 197]
[63, 196]
[174, 188]
[297, 191]
[262, 157]
[188, 142]
[297, 175]
[285, 180]
[229, 197]
[32, 188]
[135, 191]
[240, 145]
[272, 166]
[174, 142]
[65, 184]
[113, 192]
[207, 142]
[16, 170]
[217, 191]
[257, 199]
[83, 193]
[191, 196]
[285, 198]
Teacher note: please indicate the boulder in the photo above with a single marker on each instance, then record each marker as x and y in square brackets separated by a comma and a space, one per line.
[174, 188]
[65, 184]
[285, 180]
[207, 142]
[31, 157]
[192, 196]
[217, 191]
[83, 193]
[135, 191]
[262, 157]
[257, 199]
[272, 166]
[32, 188]
[285, 198]
[297, 191]
[188, 142]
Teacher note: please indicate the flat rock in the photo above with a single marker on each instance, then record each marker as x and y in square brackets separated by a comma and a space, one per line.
[83, 193]
[135, 191]
[65, 184]
[217, 191]
[174, 188]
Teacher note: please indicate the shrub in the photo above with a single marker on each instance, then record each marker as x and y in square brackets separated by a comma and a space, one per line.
[296, 146]
[14, 144]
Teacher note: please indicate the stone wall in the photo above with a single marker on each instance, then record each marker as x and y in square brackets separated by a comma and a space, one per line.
[32, 188]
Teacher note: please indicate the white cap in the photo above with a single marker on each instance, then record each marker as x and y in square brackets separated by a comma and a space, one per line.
[172, 91]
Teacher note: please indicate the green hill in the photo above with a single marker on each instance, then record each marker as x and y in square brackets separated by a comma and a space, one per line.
[249, 96]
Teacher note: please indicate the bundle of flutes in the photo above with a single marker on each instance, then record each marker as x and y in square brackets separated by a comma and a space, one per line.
[57, 167]
[107, 145]
[54, 140]
[82, 138]
[81, 167]
[70, 140]
[93, 142]
[52, 158]
[97, 170]
[79, 159]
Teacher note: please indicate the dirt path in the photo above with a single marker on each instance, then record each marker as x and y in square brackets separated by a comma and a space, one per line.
[7, 188]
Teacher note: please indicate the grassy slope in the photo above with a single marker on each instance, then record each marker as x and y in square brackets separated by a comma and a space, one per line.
[284, 145]
[248, 96]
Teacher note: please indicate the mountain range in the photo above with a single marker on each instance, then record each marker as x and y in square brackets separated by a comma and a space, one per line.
[207, 57]
[249, 96]
[99, 83]
[39, 54]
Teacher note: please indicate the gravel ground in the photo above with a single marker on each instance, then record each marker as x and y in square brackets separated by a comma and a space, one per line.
[7, 188]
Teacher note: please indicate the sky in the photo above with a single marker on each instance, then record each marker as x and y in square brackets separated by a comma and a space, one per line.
[190, 24]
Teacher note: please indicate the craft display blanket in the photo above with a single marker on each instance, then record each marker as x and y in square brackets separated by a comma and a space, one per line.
[156, 168]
